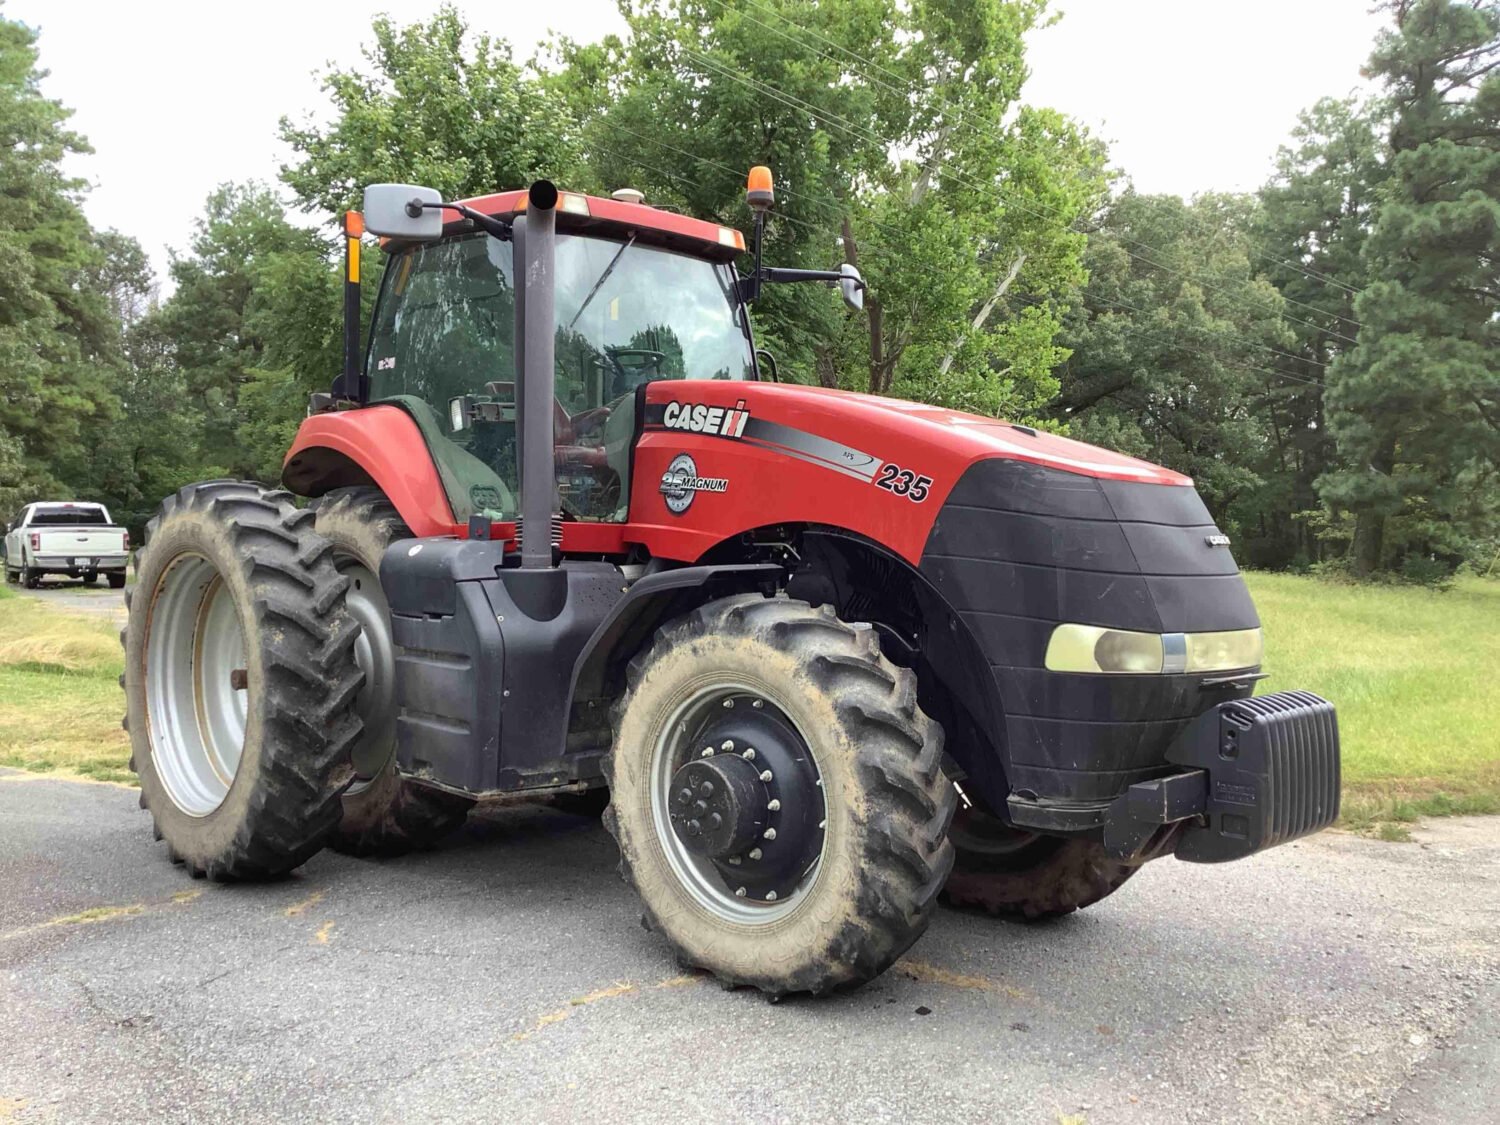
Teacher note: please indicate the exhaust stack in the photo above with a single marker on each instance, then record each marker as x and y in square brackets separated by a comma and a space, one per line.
[538, 382]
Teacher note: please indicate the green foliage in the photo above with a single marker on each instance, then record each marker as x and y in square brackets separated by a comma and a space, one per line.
[898, 143]
[433, 105]
[55, 333]
[1415, 405]
[1173, 343]
[1318, 356]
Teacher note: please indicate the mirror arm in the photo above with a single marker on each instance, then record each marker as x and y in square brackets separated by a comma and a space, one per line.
[495, 228]
[783, 274]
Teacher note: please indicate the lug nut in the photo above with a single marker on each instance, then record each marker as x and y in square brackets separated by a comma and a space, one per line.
[694, 828]
[729, 704]
[706, 789]
[708, 752]
[765, 775]
[739, 892]
[770, 833]
[728, 745]
[774, 805]
[734, 859]
[715, 820]
[749, 754]
[757, 703]
[770, 896]
[755, 853]
[684, 796]
[239, 680]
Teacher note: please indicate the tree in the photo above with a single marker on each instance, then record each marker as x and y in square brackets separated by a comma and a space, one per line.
[1415, 405]
[55, 332]
[252, 326]
[1309, 236]
[899, 144]
[434, 105]
[1176, 342]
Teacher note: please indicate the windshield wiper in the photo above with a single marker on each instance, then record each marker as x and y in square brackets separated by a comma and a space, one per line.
[603, 277]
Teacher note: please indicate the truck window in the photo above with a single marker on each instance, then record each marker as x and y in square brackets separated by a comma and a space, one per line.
[69, 517]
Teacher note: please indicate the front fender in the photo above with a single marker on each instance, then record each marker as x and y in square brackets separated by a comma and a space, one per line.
[377, 445]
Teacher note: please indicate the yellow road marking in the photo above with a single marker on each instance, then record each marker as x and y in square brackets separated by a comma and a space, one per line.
[321, 937]
[300, 907]
[619, 988]
[935, 974]
[96, 914]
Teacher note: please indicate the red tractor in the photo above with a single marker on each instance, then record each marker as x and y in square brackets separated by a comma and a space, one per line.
[825, 656]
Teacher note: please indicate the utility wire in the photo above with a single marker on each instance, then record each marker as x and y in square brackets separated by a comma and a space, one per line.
[908, 92]
[991, 191]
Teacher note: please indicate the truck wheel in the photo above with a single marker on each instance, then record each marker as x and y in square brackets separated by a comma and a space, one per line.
[778, 797]
[90, 578]
[30, 578]
[384, 813]
[116, 581]
[240, 681]
[1009, 872]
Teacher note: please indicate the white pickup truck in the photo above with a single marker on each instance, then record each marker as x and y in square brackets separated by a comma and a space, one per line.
[76, 539]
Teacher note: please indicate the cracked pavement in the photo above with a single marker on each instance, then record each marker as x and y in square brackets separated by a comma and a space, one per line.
[506, 976]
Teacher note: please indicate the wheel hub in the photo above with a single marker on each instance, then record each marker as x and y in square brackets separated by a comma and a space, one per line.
[779, 834]
[738, 804]
[718, 805]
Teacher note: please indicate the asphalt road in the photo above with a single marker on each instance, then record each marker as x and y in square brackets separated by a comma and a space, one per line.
[505, 977]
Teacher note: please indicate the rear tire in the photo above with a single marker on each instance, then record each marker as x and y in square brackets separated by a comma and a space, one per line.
[880, 794]
[1010, 873]
[384, 813]
[116, 581]
[240, 681]
[30, 578]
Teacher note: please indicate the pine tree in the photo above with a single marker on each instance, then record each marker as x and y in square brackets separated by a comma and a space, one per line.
[1415, 406]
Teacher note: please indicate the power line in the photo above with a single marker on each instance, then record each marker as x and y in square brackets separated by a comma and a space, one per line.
[990, 191]
[910, 90]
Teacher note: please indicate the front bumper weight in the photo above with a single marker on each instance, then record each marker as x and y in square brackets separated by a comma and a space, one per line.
[1260, 772]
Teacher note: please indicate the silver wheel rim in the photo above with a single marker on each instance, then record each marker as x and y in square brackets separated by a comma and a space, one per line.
[194, 645]
[676, 745]
[375, 654]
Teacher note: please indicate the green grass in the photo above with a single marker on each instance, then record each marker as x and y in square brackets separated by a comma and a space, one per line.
[1413, 674]
[60, 700]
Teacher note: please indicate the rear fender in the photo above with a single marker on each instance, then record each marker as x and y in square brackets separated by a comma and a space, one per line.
[377, 445]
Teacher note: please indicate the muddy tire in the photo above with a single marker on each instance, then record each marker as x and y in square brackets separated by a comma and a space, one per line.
[240, 681]
[384, 814]
[31, 579]
[1013, 874]
[861, 779]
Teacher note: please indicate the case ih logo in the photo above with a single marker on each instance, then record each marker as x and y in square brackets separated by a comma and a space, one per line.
[697, 418]
[681, 482]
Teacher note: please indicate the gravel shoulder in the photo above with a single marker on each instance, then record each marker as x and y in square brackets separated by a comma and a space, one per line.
[506, 975]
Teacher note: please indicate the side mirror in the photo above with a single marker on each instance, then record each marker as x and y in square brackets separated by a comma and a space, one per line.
[403, 211]
[852, 287]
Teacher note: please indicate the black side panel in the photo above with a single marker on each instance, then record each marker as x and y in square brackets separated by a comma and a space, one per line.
[484, 662]
[447, 646]
[1019, 548]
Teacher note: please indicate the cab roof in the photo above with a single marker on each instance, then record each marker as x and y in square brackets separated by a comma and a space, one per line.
[592, 214]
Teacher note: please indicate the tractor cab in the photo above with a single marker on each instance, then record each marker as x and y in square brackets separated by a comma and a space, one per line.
[639, 296]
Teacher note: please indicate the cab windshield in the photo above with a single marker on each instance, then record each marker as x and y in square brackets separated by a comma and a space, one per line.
[442, 348]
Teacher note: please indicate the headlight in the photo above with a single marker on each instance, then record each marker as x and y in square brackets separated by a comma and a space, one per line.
[1091, 648]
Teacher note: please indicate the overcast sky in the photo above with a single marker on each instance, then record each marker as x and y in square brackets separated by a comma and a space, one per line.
[176, 97]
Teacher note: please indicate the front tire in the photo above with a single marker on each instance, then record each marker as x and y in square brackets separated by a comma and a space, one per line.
[850, 785]
[384, 814]
[240, 681]
[1010, 873]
